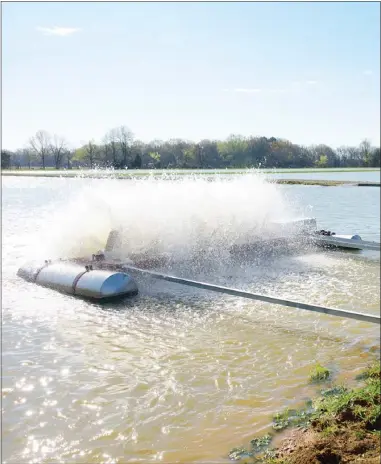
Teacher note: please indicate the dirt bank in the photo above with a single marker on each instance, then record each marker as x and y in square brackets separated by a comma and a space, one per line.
[341, 426]
[345, 429]
[342, 442]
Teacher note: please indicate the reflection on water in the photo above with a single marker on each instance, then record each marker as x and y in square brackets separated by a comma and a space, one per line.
[175, 374]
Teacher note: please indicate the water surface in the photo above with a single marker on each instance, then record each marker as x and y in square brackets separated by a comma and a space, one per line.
[364, 176]
[175, 374]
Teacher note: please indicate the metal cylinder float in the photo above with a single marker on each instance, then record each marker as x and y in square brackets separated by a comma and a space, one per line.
[80, 280]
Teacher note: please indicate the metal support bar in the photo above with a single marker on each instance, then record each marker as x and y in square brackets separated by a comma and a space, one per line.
[47, 262]
[256, 296]
[76, 280]
[340, 242]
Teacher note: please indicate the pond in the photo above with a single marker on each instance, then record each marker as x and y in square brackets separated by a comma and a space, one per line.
[174, 374]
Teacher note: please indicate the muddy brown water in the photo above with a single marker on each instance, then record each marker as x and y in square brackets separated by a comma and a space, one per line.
[175, 374]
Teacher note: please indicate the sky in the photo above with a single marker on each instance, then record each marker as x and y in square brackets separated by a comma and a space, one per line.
[306, 72]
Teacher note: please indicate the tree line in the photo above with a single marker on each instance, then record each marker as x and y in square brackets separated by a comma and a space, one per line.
[120, 150]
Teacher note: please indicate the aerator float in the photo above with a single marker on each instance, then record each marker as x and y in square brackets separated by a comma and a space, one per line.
[80, 280]
[104, 277]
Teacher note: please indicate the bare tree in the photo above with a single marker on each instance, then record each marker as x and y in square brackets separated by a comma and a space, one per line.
[41, 145]
[111, 139]
[58, 149]
[68, 154]
[125, 138]
[106, 149]
[365, 150]
[354, 156]
[91, 150]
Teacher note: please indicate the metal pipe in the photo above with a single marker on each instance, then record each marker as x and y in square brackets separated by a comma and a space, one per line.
[345, 241]
[256, 296]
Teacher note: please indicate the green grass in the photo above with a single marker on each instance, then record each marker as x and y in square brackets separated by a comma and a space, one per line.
[371, 372]
[261, 443]
[319, 373]
[283, 419]
[258, 445]
[330, 430]
[292, 418]
[362, 404]
[328, 414]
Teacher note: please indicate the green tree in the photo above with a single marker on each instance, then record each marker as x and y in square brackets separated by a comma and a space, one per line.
[137, 163]
[322, 161]
[87, 153]
[155, 158]
[210, 157]
[6, 158]
[190, 157]
[234, 151]
[118, 149]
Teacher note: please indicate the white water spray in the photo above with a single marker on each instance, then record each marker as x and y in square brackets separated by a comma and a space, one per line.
[168, 215]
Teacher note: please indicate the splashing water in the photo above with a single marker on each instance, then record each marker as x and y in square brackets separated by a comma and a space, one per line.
[168, 215]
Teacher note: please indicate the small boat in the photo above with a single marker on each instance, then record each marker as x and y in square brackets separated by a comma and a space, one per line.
[305, 230]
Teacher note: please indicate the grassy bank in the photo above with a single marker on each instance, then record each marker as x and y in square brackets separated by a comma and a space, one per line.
[340, 426]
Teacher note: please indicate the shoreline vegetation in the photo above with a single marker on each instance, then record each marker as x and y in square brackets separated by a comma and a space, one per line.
[130, 174]
[340, 425]
[118, 149]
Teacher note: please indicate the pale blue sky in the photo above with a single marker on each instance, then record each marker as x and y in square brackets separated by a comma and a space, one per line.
[308, 72]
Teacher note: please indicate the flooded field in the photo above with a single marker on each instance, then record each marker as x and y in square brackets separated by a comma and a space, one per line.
[174, 374]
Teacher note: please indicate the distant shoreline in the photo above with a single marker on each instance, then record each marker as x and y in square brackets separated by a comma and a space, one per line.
[130, 174]
[75, 171]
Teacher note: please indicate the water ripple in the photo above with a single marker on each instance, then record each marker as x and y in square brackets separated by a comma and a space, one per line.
[178, 374]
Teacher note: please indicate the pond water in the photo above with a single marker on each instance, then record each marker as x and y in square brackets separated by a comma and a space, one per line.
[174, 374]
[365, 176]
[371, 175]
